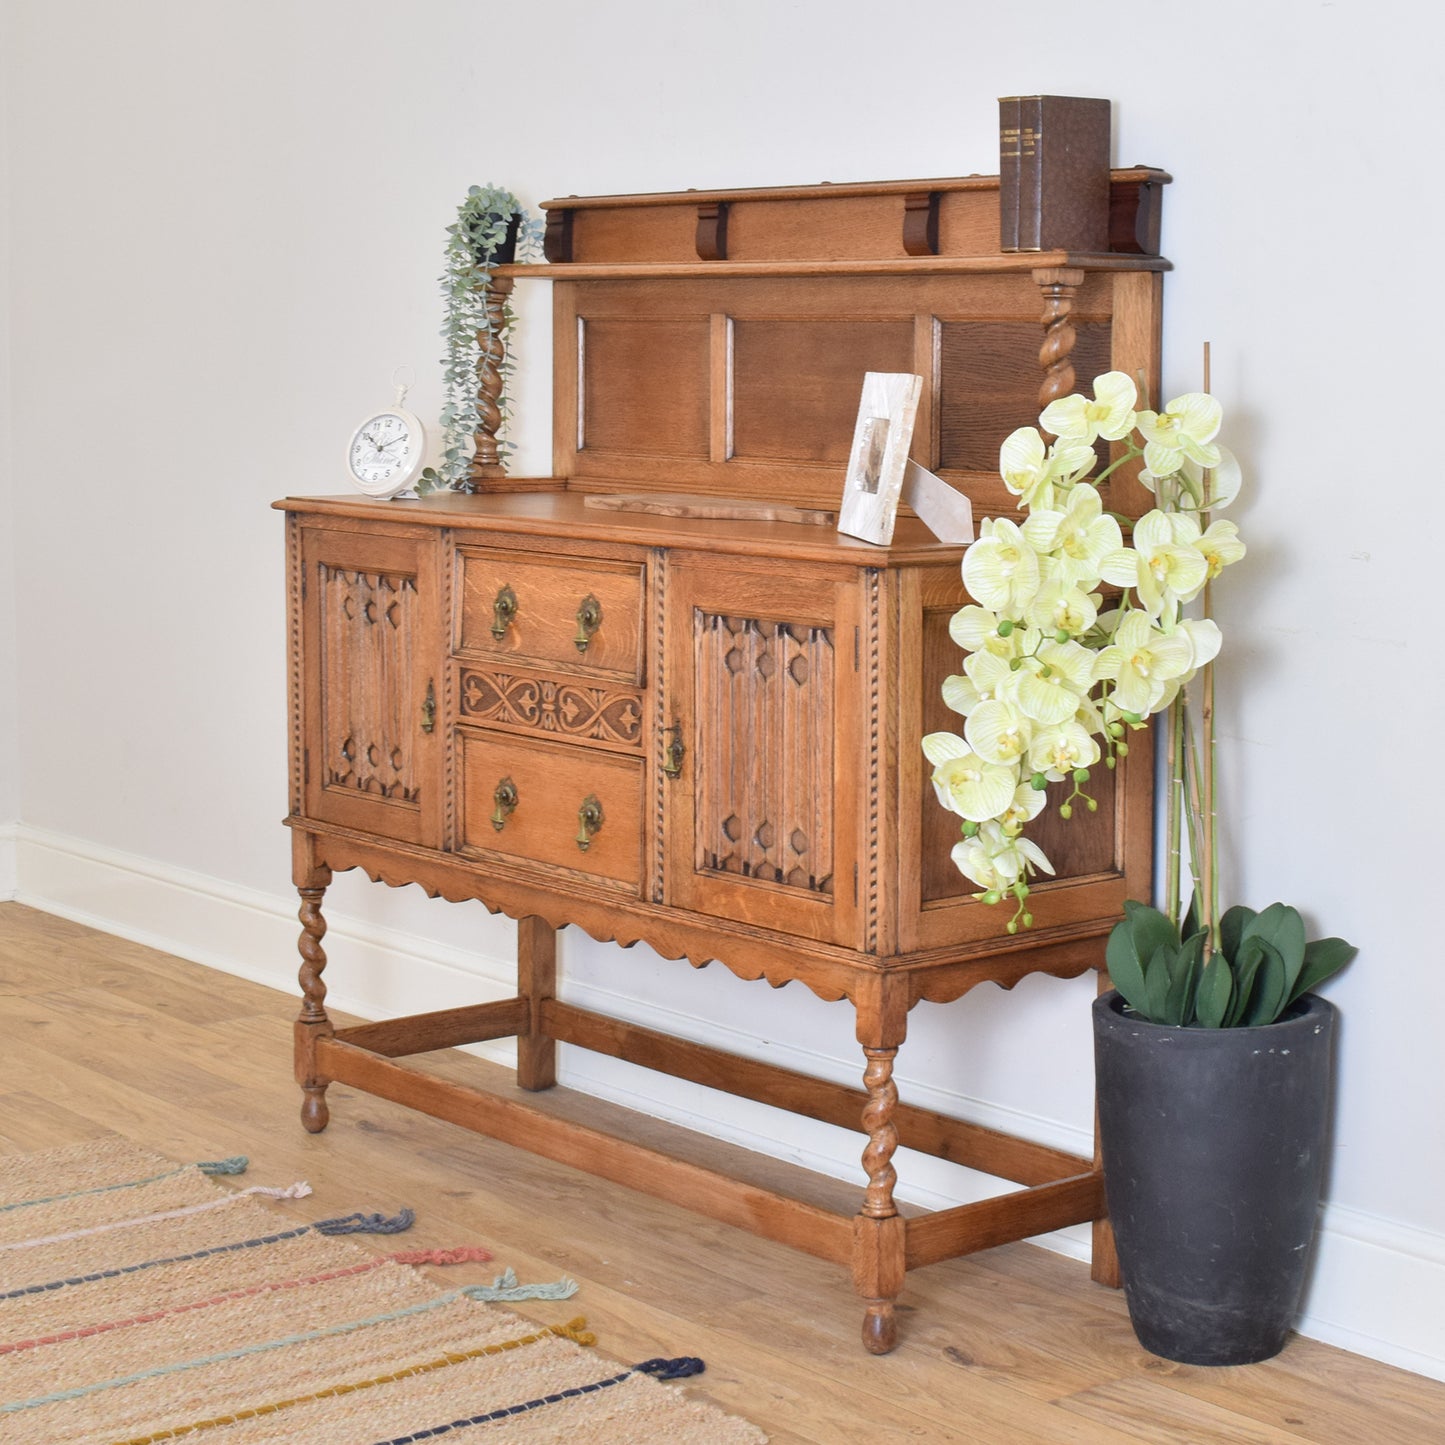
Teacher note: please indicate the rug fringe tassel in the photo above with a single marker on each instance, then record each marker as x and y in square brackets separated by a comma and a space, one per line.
[678, 1369]
[505, 1287]
[463, 1254]
[366, 1223]
[236, 1164]
[299, 1190]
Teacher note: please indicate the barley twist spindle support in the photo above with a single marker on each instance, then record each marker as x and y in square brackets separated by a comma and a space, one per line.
[1058, 286]
[492, 344]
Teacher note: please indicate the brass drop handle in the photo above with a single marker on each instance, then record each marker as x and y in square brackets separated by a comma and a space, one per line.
[504, 609]
[674, 752]
[589, 817]
[429, 708]
[589, 619]
[505, 797]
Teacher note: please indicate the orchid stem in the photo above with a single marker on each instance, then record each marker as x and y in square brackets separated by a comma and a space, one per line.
[1209, 863]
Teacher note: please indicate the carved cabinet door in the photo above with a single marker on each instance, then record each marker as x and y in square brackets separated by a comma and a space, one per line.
[370, 659]
[761, 688]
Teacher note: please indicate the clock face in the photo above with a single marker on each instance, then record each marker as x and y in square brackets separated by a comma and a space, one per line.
[385, 453]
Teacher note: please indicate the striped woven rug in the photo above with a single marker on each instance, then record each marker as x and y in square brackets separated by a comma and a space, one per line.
[143, 1300]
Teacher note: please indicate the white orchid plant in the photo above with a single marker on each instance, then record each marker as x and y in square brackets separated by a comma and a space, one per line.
[1054, 680]
[1053, 684]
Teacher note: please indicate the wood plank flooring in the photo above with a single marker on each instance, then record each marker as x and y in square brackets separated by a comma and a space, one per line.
[99, 1036]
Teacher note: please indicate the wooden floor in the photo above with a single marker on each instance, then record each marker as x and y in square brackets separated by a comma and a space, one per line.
[100, 1036]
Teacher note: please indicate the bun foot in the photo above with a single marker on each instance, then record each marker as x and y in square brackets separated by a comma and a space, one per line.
[880, 1328]
[315, 1116]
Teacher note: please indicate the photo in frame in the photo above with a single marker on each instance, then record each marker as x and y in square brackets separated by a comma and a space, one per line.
[881, 474]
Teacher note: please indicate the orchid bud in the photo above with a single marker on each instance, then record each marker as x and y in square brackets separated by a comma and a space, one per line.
[1005, 627]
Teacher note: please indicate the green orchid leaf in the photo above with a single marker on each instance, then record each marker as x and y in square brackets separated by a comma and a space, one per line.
[1270, 988]
[1216, 989]
[1231, 929]
[1156, 985]
[1151, 929]
[1125, 968]
[1246, 966]
[1323, 958]
[1283, 928]
[1189, 925]
[1184, 970]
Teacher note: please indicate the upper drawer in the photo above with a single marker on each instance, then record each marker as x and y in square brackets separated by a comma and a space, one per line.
[581, 615]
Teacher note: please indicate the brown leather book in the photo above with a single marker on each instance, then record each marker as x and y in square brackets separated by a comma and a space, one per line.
[1053, 173]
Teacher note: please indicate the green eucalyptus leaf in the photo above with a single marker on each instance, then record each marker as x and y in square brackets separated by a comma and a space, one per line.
[1270, 986]
[1216, 990]
[1323, 958]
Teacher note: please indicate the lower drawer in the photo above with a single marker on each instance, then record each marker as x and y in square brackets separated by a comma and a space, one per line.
[555, 805]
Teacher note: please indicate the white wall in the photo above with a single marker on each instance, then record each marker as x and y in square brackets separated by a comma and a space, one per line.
[226, 223]
[9, 662]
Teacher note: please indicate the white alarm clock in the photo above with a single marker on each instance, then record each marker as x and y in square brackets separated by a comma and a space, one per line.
[387, 451]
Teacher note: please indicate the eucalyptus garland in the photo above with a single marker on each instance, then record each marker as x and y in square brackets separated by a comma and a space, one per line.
[484, 220]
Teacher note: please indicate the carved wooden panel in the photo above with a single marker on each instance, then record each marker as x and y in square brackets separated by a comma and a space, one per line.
[761, 814]
[765, 747]
[370, 681]
[368, 628]
[563, 707]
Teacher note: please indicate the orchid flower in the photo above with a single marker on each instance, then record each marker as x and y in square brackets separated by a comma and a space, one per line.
[1109, 415]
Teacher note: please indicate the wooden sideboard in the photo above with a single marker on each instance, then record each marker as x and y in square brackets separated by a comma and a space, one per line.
[629, 697]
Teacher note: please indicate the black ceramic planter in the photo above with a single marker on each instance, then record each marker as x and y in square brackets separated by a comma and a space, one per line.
[1214, 1150]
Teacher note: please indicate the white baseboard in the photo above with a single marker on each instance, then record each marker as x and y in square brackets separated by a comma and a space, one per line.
[7, 861]
[1378, 1288]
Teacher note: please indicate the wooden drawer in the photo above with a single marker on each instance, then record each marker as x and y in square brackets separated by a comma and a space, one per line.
[541, 811]
[584, 616]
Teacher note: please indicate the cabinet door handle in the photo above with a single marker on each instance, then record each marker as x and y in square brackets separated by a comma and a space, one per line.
[429, 709]
[505, 797]
[674, 752]
[589, 817]
[504, 609]
[589, 619]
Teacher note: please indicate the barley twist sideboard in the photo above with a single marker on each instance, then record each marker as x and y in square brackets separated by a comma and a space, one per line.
[658, 696]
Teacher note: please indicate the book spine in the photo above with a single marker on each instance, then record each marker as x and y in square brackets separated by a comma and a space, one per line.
[1009, 134]
[1031, 173]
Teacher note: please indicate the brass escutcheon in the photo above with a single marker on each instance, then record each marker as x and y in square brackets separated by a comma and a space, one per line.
[589, 817]
[505, 797]
[504, 609]
[589, 619]
[429, 708]
[674, 752]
